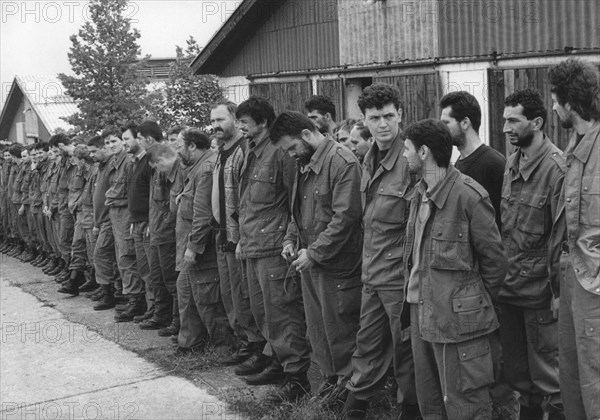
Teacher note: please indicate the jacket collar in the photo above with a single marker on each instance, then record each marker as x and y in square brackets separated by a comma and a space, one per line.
[393, 154]
[260, 144]
[439, 194]
[318, 158]
[527, 168]
[583, 150]
[118, 159]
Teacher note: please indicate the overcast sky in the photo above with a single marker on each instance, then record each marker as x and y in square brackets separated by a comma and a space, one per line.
[34, 35]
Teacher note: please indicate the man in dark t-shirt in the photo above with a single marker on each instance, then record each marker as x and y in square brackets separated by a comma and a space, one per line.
[462, 115]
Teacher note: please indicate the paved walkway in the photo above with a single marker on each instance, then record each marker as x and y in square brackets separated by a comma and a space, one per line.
[52, 368]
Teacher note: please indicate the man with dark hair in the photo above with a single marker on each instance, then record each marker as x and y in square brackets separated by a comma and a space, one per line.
[576, 99]
[50, 201]
[63, 146]
[201, 312]
[140, 140]
[324, 244]
[321, 110]
[38, 176]
[21, 201]
[31, 239]
[383, 339]
[266, 178]
[528, 330]
[14, 198]
[342, 132]
[119, 169]
[8, 239]
[172, 134]
[225, 208]
[454, 265]
[104, 252]
[462, 114]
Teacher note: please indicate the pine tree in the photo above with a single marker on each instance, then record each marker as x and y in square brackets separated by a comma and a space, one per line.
[105, 58]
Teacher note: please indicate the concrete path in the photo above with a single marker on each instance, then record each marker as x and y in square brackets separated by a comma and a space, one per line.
[52, 368]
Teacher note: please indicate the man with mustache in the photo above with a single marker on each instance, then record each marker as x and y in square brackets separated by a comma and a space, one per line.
[225, 208]
[528, 328]
[324, 244]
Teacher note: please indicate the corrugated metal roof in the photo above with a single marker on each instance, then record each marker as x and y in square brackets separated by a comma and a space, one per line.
[47, 96]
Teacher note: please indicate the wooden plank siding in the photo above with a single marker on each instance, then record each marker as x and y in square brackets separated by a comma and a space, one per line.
[334, 90]
[284, 96]
[419, 95]
[504, 82]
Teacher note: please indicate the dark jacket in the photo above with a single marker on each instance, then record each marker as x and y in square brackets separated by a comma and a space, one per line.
[266, 181]
[529, 205]
[385, 193]
[118, 178]
[161, 219]
[462, 259]
[326, 210]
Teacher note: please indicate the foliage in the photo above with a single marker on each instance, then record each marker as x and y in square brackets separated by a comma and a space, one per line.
[105, 59]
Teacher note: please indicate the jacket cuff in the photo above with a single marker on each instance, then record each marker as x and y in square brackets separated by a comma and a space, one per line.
[198, 249]
[310, 255]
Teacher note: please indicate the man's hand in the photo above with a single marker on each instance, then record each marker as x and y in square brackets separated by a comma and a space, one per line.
[238, 252]
[131, 229]
[189, 256]
[22, 210]
[147, 233]
[95, 231]
[554, 305]
[302, 263]
[178, 198]
[289, 252]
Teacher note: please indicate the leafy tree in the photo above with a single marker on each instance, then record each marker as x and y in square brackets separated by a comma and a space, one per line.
[187, 96]
[105, 59]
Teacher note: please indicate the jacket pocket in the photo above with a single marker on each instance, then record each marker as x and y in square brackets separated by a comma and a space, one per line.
[531, 217]
[263, 184]
[348, 297]
[591, 339]
[545, 331]
[590, 200]
[186, 207]
[476, 366]
[390, 206]
[322, 204]
[450, 248]
[473, 313]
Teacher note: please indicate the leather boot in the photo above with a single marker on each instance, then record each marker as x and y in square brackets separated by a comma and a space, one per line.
[50, 265]
[108, 299]
[273, 374]
[71, 287]
[137, 306]
[90, 284]
[38, 259]
[60, 265]
[294, 387]
[355, 409]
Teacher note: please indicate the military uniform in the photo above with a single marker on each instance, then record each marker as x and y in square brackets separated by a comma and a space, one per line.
[327, 223]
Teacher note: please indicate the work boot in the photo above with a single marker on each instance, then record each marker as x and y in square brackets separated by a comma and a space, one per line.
[50, 265]
[60, 265]
[255, 364]
[18, 248]
[30, 257]
[107, 301]
[273, 374]
[63, 276]
[146, 315]
[71, 287]
[534, 412]
[355, 409]
[98, 294]
[294, 388]
[38, 260]
[137, 306]
[172, 329]
[90, 284]
[241, 354]
[410, 412]
[153, 324]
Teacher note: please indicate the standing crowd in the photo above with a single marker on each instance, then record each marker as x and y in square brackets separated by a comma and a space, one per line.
[357, 245]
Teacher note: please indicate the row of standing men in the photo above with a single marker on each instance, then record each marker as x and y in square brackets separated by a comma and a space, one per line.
[453, 275]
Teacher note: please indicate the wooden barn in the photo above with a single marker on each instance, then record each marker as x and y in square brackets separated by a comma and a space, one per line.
[289, 50]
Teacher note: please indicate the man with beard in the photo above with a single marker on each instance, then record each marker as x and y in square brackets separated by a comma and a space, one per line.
[321, 110]
[201, 312]
[225, 209]
[117, 201]
[528, 330]
[383, 340]
[454, 266]
[138, 204]
[462, 114]
[575, 87]
[324, 244]
[266, 179]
